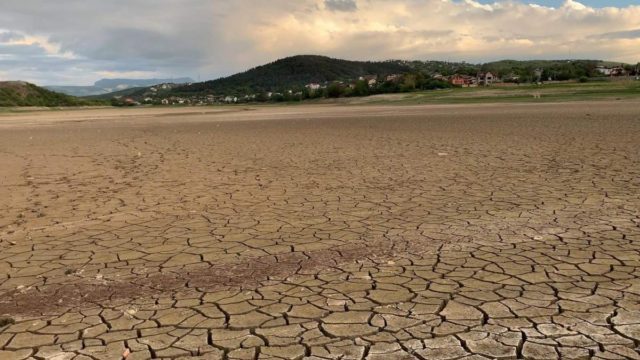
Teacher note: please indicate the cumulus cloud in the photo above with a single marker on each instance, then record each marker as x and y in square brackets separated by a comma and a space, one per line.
[69, 41]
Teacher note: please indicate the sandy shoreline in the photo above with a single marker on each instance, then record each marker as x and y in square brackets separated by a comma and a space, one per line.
[253, 112]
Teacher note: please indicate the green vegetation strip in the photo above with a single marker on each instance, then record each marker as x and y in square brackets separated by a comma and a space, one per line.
[522, 93]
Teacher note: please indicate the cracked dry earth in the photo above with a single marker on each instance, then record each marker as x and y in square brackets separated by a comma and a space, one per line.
[322, 232]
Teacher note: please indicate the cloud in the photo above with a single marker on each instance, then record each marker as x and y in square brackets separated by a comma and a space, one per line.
[464, 30]
[630, 34]
[77, 42]
[18, 40]
[575, 5]
[341, 5]
[477, 5]
[127, 74]
[9, 36]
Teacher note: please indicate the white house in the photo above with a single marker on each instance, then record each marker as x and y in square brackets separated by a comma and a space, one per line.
[393, 77]
[486, 79]
[611, 71]
[604, 70]
[371, 80]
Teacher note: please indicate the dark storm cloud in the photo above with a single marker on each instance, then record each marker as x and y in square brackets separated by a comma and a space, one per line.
[160, 37]
[129, 43]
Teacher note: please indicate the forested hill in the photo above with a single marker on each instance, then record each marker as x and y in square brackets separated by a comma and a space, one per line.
[20, 93]
[295, 72]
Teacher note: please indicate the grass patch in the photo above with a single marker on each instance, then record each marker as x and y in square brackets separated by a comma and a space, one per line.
[589, 91]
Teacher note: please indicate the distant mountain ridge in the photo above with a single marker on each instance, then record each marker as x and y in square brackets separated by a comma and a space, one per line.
[105, 86]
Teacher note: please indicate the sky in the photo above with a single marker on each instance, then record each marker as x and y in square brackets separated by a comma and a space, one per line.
[592, 3]
[76, 42]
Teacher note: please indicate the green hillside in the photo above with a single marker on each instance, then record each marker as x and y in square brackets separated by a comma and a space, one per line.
[19, 93]
[295, 72]
[291, 74]
[554, 69]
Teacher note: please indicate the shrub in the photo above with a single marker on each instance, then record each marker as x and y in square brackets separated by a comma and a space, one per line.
[4, 321]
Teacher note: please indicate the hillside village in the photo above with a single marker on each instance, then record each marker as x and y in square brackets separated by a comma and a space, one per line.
[418, 76]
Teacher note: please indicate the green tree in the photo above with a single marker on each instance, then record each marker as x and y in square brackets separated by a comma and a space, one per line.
[116, 102]
[408, 83]
[262, 97]
[361, 88]
[334, 90]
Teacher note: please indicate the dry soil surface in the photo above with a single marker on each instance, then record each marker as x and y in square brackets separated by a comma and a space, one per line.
[321, 232]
